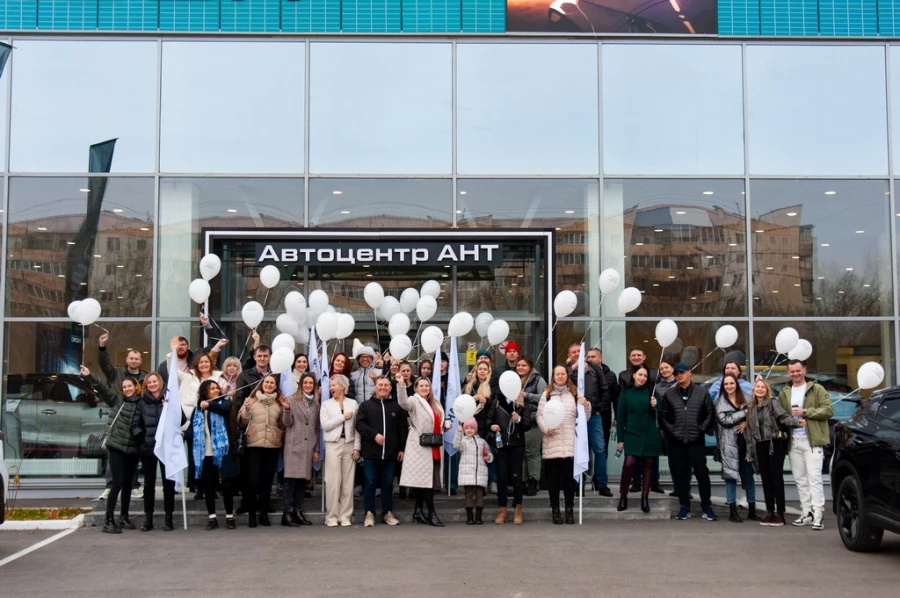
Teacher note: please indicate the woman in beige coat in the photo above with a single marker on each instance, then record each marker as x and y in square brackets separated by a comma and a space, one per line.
[261, 413]
[559, 442]
[422, 465]
[338, 418]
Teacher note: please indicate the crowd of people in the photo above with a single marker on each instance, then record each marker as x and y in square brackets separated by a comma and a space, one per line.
[382, 420]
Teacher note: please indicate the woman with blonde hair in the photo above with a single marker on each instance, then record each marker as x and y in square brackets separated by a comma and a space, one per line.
[338, 420]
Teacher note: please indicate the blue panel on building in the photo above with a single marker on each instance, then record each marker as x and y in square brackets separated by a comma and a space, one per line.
[432, 16]
[889, 17]
[189, 15]
[314, 16]
[67, 15]
[484, 16]
[738, 17]
[18, 14]
[251, 15]
[371, 16]
[849, 17]
[789, 17]
[128, 15]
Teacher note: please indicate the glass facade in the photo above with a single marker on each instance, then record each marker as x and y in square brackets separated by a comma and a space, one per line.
[731, 182]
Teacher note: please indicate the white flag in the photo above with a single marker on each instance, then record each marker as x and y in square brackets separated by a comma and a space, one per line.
[169, 447]
[582, 452]
[581, 371]
[453, 390]
[317, 369]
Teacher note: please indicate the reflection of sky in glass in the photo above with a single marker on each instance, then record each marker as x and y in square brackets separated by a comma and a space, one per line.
[527, 108]
[380, 108]
[3, 82]
[534, 203]
[817, 110]
[895, 100]
[672, 109]
[232, 107]
[380, 203]
[68, 95]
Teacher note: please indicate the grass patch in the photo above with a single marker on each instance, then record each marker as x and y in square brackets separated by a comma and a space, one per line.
[44, 514]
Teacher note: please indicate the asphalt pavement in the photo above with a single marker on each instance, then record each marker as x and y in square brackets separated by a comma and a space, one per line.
[616, 558]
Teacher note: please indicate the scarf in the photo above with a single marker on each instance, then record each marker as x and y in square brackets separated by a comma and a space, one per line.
[309, 399]
[266, 399]
[218, 438]
[559, 390]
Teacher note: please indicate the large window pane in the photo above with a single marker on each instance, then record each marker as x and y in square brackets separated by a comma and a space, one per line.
[381, 203]
[380, 108]
[52, 420]
[188, 205]
[821, 248]
[71, 238]
[895, 101]
[527, 109]
[4, 80]
[686, 100]
[817, 110]
[68, 95]
[232, 107]
[682, 243]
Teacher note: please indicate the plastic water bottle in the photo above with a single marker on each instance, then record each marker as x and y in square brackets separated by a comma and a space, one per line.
[498, 439]
[618, 453]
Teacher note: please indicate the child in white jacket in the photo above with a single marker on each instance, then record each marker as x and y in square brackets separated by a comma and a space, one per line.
[473, 472]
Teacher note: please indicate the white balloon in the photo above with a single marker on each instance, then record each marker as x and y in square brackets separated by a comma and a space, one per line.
[786, 339]
[283, 340]
[331, 309]
[295, 304]
[252, 313]
[326, 326]
[498, 331]
[302, 335]
[398, 325]
[464, 408]
[400, 346]
[510, 385]
[726, 336]
[72, 310]
[345, 326]
[564, 303]
[869, 375]
[210, 266]
[432, 337]
[389, 308]
[199, 290]
[802, 351]
[270, 276]
[426, 308]
[460, 324]
[88, 311]
[666, 332]
[318, 302]
[482, 321]
[374, 295]
[408, 300]
[310, 319]
[431, 288]
[282, 360]
[287, 324]
[554, 412]
[609, 281]
[629, 300]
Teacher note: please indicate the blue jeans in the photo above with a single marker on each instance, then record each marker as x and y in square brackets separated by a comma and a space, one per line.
[451, 471]
[749, 485]
[597, 442]
[379, 473]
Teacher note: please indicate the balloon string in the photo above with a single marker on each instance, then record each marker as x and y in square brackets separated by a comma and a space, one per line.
[704, 359]
[101, 328]
[774, 361]
[846, 396]
[552, 328]
[591, 323]
[265, 298]
[377, 334]
[82, 344]
[247, 342]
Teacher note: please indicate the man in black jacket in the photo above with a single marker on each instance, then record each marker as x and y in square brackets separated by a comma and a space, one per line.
[636, 357]
[115, 375]
[596, 391]
[607, 411]
[383, 427]
[688, 413]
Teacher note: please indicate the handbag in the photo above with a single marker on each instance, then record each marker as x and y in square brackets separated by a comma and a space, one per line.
[431, 440]
[112, 423]
[240, 440]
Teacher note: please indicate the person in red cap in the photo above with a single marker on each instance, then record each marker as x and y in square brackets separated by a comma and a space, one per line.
[512, 356]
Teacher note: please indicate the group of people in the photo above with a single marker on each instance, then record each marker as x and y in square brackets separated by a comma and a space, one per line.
[383, 421]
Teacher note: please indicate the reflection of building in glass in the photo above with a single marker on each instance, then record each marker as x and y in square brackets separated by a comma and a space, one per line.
[783, 257]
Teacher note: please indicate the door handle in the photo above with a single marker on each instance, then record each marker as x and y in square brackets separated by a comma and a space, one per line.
[49, 411]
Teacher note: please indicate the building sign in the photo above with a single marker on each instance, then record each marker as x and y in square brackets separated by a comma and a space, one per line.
[393, 253]
[613, 16]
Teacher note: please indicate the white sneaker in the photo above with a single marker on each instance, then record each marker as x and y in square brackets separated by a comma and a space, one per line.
[346, 523]
[331, 523]
[492, 488]
[390, 519]
[819, 523]
[803, 520]
[104, 496]
[370, 519]
[137, 493]
[377, 492]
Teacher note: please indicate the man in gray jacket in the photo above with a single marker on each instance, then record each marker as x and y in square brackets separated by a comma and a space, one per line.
[362, 381]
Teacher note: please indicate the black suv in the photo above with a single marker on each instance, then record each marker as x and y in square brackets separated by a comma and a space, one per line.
[866, 479]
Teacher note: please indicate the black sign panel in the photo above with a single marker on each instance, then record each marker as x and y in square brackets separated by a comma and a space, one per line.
[393, 253]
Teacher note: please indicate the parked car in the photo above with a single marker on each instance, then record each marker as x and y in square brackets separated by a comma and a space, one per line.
[865, 484]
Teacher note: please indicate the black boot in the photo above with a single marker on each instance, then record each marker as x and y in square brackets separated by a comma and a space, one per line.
[623, 503]
[570, 515]
[531, 488]
[264, 519]
[557, 516]
[213, 523]
[470, 517]
[252, 520]
[148, 522]
[287, 520]
[230, 523]
[645, 503]
[478, 511]
[125, 523]
[751, 512]
[433, 520]
[110, 527]
[169, 524]
[419, 516]
[733, 514]
[301, 518]
[402, 493]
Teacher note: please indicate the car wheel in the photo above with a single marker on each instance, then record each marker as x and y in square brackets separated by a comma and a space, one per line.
[857, 534]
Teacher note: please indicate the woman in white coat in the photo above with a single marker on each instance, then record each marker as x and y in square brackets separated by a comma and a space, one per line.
[338, 419]
[422, 464]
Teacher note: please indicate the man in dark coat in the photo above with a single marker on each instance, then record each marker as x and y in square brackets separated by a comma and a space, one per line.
[596, 391]
[607, 411]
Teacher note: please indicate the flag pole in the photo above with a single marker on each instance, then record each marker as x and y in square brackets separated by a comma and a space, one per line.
[580, 498]
[184, 503]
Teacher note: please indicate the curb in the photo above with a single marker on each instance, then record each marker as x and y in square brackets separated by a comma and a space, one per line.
[47, 524]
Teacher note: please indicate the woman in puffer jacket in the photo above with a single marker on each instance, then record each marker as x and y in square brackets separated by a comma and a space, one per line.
[262, 414]
[731, 417]
[559, 442]
[509, 420]
[533, 386]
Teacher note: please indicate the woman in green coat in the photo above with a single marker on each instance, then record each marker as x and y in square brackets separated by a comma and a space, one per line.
[637, 429]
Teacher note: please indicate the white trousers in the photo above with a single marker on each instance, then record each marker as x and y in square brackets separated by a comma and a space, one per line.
[339, 470]
[806, 465]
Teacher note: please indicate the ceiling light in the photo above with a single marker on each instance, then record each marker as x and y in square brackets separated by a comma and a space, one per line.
[84, 284]
[821, 278]
[770, 267]
[442, 275]
[460, 212]
[657, 230]
[138, 275]
[681, 213]
[830, 192]
[849, 269]
[447, 266]
[42, 228]
[795, 257]
[760, 230]
[671, 276]
[732, 244]
[368, 276]
[867, 285]
[120, 266]
[689, 268]
[707, 193]
[792, 213]
[345, 211]
[840, 292]
[796, 284]
[366, 266]
[120, 297]
[693, 298]
[463, 192]
[70, 242]
[570, 211]
[97, 255]
[117, 210]
[514, 284]
[727, 284]
[775, 292]
[37, 266]
[336, 192]
[558, 228]
[60, 275]
[144, 228]
[826, 245]
[643, 292]
[709, 257]
[638, 244]
[85, 190]
[231, 211]
[521, 276]
[859, 232]
[656, 284]
[818, 298]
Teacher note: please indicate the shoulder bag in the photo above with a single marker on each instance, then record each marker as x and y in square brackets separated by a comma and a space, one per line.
[112, 423]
